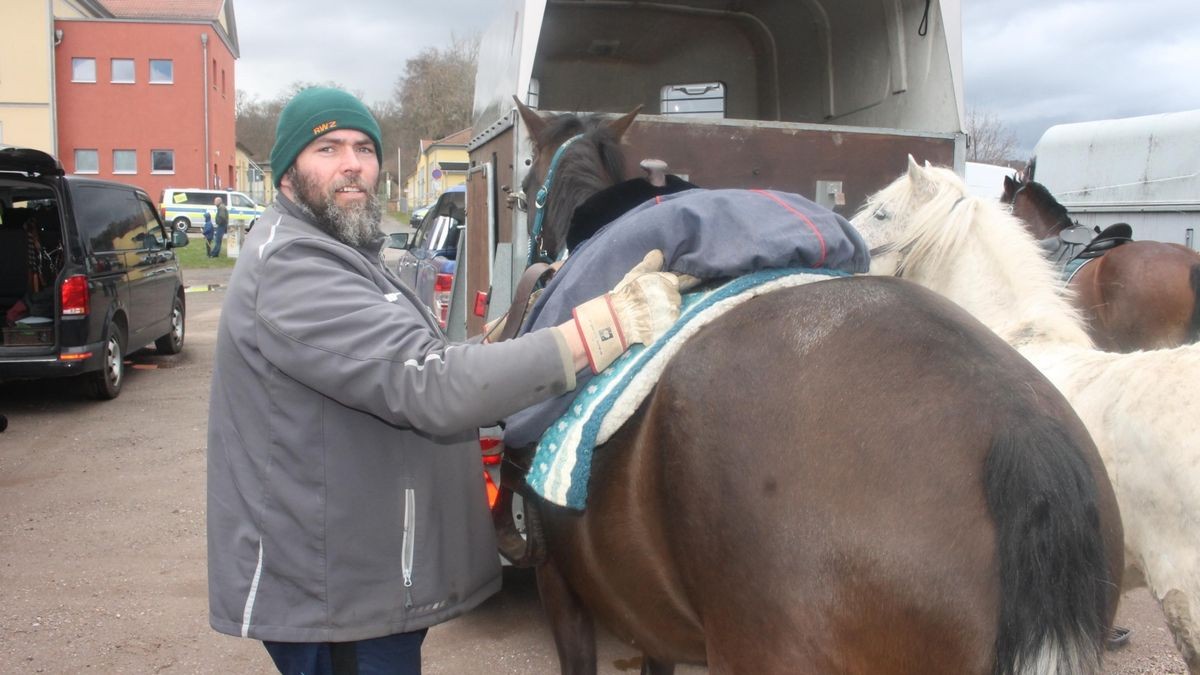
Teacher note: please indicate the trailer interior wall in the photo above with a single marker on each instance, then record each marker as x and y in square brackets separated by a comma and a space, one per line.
[836, 62]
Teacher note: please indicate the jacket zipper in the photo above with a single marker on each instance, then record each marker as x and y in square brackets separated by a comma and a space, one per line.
[408, 544]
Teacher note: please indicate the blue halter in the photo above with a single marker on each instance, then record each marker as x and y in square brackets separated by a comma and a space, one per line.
[539, 254]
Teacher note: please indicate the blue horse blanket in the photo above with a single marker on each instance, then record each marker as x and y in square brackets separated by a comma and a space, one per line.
[563, 461]
[709, 234]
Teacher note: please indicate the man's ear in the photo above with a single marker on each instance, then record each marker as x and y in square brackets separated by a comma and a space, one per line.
[285, 184]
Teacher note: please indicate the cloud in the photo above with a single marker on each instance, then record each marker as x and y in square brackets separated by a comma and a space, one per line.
[1032, 63]
[363, 47]
[1036, 64]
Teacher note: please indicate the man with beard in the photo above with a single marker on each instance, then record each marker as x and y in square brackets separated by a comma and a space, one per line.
[346, 510]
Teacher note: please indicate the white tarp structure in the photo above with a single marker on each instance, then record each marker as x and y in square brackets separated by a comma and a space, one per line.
[1144, 171]
[987, 180]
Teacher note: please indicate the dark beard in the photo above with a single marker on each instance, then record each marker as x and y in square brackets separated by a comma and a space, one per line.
[355, 225]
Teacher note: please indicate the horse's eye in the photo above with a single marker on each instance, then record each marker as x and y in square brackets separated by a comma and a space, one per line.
[880, 214]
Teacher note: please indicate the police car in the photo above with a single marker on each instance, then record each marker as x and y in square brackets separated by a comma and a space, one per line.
[184, 207]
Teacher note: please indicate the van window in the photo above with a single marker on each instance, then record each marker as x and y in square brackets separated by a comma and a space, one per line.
[195, 198]
[109, 220]
[156, 237]
[706, 99]
[242, 201]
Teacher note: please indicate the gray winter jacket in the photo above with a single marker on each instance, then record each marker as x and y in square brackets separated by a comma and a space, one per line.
[345, 487]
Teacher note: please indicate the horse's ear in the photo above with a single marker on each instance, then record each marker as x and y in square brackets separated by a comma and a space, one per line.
[619, 126]
[533, 121]
[916, 175]
[1010, 186]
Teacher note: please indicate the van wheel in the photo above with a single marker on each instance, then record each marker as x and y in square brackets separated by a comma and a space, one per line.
[182, 224]
[172, 343]
[106, 382]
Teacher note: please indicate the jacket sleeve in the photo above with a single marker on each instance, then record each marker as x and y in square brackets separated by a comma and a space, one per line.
[323, 322]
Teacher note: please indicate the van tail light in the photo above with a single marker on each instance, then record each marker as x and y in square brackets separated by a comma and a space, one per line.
[442, 284]
[75, 299]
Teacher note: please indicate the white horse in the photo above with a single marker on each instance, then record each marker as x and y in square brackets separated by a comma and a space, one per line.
[1142, 409]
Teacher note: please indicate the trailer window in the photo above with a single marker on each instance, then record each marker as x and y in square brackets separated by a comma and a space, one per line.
[705, 99]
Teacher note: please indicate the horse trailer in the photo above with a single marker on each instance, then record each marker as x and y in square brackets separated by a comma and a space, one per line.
[826, 98]
[1144, 171]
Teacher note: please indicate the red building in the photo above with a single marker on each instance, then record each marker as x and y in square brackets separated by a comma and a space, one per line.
[145, 93]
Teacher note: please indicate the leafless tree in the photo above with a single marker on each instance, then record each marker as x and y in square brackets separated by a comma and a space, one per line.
[434, 96]
[990, 141]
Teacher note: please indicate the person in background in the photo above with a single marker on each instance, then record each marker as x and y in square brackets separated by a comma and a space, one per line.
[346, 507]
[207, 231]
[222, 219]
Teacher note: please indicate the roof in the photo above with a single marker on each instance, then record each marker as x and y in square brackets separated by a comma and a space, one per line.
[165, 9]
[456, 138]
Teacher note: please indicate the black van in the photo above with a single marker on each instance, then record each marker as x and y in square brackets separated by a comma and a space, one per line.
[88, 274]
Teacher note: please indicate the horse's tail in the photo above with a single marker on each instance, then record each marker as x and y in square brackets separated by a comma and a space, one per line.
[1193, 333]
[1055, 581]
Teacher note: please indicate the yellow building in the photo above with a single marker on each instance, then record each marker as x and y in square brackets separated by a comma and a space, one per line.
[27, 71]
[253, 179]
[441, 165]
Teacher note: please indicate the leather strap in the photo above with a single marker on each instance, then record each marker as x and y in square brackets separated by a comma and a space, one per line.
[528, 550]
[520, 303]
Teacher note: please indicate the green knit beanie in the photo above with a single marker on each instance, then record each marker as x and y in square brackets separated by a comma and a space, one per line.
[312, 113]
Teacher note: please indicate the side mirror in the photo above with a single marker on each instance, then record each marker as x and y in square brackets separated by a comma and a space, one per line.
[398, 240]
[178, 239]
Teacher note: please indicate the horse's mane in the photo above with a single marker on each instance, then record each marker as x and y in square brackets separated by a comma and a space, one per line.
[946, 229]
[589, 165]
[1047, 203]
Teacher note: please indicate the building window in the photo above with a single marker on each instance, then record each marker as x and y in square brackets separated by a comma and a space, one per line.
[124, 161]
[162, 161]
[222, 81]
[83, 70]
[162, 71]
[87, 161]
[122, 71]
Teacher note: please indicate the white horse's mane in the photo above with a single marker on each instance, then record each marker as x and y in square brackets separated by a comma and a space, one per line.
[971, 249]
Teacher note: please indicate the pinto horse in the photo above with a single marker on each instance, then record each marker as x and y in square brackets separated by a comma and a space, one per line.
[1140, 408]
[850, 476]
[1140, 295]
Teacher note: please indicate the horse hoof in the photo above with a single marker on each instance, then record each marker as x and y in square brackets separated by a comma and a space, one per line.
[1118, 636]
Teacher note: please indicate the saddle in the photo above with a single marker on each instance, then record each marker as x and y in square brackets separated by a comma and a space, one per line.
[1111, 237]
[1071, 247]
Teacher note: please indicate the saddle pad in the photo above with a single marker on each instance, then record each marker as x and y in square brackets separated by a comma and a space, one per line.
[1072, 268]
[563, 460]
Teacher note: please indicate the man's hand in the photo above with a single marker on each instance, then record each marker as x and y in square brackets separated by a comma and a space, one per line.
[640, 308]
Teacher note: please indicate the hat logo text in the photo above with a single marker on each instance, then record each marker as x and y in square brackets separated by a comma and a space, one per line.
[324, 126]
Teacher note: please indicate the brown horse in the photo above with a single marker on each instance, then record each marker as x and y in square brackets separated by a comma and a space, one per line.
[1140, 295]
[851, 476]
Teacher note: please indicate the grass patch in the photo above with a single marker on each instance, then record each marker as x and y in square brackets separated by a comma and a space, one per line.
[194, 257]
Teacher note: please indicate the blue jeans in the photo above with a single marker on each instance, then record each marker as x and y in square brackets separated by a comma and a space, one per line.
[398, 654]
[217, 237]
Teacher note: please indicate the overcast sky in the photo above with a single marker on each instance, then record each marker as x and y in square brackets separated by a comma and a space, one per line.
[1032, 63]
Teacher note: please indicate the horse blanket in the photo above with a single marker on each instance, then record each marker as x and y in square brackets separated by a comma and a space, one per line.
[709, 234]
[562, 464]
